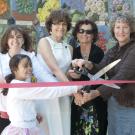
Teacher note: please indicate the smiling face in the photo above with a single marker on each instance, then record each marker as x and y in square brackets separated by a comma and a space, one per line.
[85, 35]
[15, 41]
[58, 23]
[122, 32]
[24, 70]
[58, 30]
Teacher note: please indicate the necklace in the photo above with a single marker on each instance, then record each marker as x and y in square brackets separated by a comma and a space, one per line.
[85, 56]
[85, 51]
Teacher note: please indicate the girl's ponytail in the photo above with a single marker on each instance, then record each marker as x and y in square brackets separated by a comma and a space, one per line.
[8, 79]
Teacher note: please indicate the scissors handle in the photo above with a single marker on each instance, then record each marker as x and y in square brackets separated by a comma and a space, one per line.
[82, 71]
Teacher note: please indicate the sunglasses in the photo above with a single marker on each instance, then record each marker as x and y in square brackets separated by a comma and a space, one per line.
[81, 31]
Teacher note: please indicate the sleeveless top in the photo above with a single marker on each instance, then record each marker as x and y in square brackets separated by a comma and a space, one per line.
[61, 53]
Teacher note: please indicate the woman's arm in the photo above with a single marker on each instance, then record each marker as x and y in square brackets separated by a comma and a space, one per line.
[39, 71]
[45, 50]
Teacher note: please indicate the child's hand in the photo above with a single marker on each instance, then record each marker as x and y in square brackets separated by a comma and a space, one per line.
[39, 118]
[78, 100]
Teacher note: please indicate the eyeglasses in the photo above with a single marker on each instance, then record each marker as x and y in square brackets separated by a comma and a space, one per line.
[81, 31]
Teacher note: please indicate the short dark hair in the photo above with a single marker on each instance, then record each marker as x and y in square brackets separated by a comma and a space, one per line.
[56, 16]
[4, 40]
[86, 21]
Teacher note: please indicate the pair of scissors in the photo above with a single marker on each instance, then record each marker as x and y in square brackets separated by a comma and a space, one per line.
[101, 72]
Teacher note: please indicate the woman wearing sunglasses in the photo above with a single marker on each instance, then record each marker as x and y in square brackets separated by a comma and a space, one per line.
[91, 119]
[121, 102]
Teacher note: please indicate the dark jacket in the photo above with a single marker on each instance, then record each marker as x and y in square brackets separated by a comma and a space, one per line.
[124, 70]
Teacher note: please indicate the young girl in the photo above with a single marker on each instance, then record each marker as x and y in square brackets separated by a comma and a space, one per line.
[16, 40]
[20, 104]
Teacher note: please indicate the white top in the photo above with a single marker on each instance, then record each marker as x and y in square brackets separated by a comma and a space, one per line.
[37, 68]
[38, 71]
[62, 55]
[20, 104]
[57, 111]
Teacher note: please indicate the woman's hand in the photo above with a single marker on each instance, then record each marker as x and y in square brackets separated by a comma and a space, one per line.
[83, 98]
[73, 75]
[82, 63]
[78, 63]
[90, 96]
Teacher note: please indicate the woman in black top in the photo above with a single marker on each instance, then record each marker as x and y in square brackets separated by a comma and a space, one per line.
[91, 118]
[121, 102]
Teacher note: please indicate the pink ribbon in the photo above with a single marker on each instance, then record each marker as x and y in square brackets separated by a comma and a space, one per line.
[55, 84]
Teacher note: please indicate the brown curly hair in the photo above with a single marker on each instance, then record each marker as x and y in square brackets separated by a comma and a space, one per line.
[56, 16]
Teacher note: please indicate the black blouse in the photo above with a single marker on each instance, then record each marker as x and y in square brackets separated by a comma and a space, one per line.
[96, 55]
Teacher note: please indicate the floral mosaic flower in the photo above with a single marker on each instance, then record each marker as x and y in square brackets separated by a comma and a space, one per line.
[49, 5]
[3, 6]
[95, 8]
[25, 6]
[102, 41]
[120, 6]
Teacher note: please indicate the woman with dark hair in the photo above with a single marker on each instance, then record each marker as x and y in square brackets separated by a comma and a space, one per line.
[121, 102]
[16, 41]
[55, 55]
[90, 119]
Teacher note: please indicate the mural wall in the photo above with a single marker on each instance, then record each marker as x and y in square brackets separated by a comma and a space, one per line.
[24, 11]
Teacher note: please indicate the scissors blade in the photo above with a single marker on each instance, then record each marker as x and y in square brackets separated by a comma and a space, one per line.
[112, 85]
[105, 69]
[109, 85]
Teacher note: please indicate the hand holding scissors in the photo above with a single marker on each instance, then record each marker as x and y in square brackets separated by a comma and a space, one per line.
[84, 71]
